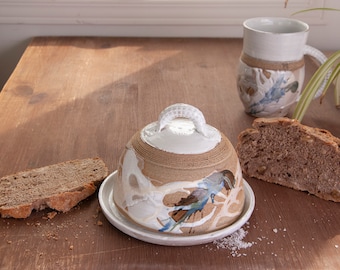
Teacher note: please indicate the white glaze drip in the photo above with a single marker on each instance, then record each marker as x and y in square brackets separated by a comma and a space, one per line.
[143, 202]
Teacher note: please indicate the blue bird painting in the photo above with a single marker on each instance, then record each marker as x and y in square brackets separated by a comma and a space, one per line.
[275, 93]
[198, 198]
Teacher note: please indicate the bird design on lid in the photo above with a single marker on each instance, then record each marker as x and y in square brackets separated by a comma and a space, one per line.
[198, 198]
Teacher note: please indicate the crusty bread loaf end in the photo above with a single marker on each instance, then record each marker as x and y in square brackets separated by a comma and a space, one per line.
[285, 152]
[60, 186]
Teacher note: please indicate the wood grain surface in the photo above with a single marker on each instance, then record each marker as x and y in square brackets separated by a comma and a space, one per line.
[72, 98]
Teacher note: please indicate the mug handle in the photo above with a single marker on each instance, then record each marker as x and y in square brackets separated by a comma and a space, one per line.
[321, 58]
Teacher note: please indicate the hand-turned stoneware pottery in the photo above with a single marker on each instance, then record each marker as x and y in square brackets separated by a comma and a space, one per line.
[271, 70]
[179, 175]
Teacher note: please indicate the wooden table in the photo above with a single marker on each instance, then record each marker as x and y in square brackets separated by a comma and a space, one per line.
[72, 98]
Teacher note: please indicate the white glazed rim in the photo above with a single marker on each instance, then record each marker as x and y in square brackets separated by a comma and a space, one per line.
[299, 25]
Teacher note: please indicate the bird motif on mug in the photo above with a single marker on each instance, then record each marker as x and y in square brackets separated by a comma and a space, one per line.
[274, 94]
[198, 198]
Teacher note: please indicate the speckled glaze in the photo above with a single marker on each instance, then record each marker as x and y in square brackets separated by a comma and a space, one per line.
[271, 69]
[180, 176]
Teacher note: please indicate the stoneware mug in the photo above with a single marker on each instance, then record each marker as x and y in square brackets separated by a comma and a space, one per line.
[271, 69]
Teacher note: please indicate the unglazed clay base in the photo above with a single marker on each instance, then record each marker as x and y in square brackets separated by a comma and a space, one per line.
[134, 230]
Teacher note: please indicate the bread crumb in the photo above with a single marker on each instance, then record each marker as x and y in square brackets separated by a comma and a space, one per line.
[51, 215]
[99, 223]
[71, 247]
[9, 242]
[51, 235]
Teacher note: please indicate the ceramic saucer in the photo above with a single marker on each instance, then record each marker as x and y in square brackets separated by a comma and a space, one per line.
[127, 226]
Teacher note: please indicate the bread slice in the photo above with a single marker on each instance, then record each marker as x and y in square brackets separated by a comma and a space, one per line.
[59, 186]
[285, 152]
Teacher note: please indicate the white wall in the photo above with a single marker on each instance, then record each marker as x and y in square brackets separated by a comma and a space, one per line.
[21, 20]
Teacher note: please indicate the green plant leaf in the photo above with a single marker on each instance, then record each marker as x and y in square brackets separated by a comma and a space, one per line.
[337, 92]
[315, 9]
[335, 73]
[315, 83]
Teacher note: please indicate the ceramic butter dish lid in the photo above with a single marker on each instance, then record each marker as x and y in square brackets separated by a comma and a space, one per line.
[179, 175]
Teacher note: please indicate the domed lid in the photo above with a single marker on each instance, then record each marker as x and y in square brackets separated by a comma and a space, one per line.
[181, 129]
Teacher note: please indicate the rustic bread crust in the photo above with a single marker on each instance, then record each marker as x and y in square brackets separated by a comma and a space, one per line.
[285, 152]
[60, 186]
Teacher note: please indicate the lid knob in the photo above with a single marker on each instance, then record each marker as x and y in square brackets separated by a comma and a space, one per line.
[181, 110]
[181, 129]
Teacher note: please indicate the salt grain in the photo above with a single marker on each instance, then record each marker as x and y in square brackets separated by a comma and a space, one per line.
[234, 242]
